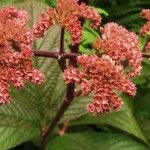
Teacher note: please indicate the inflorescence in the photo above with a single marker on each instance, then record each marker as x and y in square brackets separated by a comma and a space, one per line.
[67, 14]
[145, 14]
[103, 76]
[16, 55]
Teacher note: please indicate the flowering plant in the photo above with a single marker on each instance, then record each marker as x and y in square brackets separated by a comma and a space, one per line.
[94, 84]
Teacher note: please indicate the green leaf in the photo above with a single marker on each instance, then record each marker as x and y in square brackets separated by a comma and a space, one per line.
[19, 113]
[77, 108]
[95, 141]
[10, 137]
[48, 2]
[142, 111]
[142, 103]
[4, 2]
[145, 125]
[143, 40]
[19, 122]
[102, 11]
[123, 119]
[143, 79]
[86, 43]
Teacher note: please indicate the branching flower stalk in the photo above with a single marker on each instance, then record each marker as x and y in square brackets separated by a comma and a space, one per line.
[56, 55]
[70, 94]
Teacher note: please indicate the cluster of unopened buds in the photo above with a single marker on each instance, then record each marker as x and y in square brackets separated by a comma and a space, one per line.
[103, 76]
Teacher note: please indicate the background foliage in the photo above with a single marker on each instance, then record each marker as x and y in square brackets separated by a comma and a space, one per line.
[33, 107]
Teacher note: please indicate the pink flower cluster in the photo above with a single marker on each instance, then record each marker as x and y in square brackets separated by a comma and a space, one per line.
[145, 14]
[121, 45]
[67, 14]
[16, 66]
[103, 79]
[147, 47]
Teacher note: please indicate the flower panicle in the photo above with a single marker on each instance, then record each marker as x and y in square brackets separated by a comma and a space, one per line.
[44, 22]
[67, 14]
[102, 78]
[145, 14]
[11, 13]
[16, 67]
[121, 45]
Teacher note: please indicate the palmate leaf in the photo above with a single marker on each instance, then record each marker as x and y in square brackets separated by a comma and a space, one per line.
[32, 105]
[95, 141]
[123, 119]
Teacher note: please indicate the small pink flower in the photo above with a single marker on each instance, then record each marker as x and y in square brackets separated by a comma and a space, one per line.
[147, 47]
[145, 28]
[67, 14]
[102, 105]
[44, 23]
[121, 45]
[102, 78]
[145, 13]
[16, 55]
[72, 75]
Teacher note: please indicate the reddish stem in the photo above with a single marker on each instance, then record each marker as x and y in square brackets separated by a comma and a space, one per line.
[70, 87]
[54, 54]
[146, 55]
[61, 60]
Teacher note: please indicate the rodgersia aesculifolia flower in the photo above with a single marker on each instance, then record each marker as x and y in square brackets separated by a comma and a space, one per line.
[104, 77]
[67, 14]
[121, 45]
[16, 55]
[145, 29]
[145, 14]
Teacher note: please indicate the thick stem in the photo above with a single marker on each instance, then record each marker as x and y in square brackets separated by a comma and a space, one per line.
[146, 55]
[62, 50]
[61, 60]
[70, 87]
[54, 54]
[66, 103]
[74, 50]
